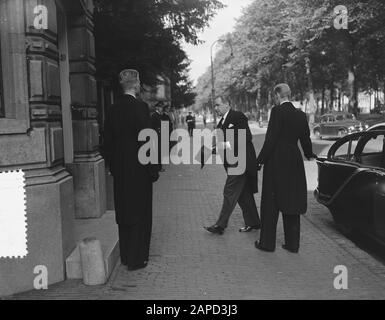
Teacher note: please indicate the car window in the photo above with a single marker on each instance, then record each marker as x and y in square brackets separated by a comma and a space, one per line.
[350, 117]
[346, 151]
[324, 119]
[374, 145]
[331, 119]
[372, 153]
[340, 118]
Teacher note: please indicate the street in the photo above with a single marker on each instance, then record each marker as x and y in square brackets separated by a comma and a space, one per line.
[187, 262]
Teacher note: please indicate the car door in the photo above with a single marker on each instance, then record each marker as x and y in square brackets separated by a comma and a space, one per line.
[337, 167]
[370, 209]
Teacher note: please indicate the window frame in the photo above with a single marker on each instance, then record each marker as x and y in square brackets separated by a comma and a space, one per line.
[16, 119]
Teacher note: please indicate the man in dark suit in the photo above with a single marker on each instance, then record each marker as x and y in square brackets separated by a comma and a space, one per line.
[284, 181]
[239, 188]
[133, 181]
[190, 123]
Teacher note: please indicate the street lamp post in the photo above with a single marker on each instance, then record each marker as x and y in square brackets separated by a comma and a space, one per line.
[213, 77]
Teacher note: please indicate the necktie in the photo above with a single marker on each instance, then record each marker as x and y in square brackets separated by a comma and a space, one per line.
[219, 126]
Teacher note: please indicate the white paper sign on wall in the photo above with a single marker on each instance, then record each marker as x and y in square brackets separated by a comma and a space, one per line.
[13, 224]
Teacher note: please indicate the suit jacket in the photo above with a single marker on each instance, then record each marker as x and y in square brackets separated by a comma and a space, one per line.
[284, 180]
[238, 121]
[156, 121]
[132, 180]
[190, 121]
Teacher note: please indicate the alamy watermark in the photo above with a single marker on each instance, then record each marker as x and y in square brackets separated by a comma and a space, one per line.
[205, 147]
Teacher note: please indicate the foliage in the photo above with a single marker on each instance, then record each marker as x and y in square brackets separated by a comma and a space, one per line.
[146, 35]
[273, 39]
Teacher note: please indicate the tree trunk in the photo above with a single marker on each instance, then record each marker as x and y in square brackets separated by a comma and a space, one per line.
[323, 100]
[331, 102]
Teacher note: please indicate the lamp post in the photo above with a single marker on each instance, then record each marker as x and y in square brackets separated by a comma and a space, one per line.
[213, 76]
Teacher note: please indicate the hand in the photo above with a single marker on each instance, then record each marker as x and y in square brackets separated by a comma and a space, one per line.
[311, 157]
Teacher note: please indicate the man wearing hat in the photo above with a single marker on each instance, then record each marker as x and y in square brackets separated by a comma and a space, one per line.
[133, 181]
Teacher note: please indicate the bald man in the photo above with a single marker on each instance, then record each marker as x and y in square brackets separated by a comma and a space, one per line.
[284, 182]
[132, 179]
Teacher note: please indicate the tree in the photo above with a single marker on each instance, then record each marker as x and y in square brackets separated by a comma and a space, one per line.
[274, 39]
[146, 35]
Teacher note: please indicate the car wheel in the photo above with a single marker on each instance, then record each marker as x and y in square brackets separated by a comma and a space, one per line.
[342, 226]
[317, 134]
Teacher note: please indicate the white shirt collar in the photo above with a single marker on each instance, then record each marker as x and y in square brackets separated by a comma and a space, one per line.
[225, 116]
[129, 94]
[284, 102]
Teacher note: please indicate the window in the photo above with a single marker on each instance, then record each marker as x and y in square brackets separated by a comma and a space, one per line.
[346, 151]
[370, 151]
[340, 117]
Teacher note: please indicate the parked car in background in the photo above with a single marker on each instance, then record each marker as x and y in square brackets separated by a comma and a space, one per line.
[351, 183]
[337, 125]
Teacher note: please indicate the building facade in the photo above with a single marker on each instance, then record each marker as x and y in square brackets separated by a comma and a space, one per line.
[49, 128]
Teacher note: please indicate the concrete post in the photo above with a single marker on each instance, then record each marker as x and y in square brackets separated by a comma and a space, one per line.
[92, 262]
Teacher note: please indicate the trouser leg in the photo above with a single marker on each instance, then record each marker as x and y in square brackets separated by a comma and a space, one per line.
[232, 190]
[292, 226]
[249, 208]
[123, 243]
[269, 219]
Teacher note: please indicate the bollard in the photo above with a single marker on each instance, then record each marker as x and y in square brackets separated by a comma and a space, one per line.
[92, 262]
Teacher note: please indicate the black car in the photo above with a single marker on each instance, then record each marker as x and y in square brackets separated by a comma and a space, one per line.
[337, 125]
[351, 183]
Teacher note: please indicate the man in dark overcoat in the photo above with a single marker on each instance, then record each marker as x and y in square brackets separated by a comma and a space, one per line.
[133, 181]
[190, 120]
[239, 188]
[284, 186]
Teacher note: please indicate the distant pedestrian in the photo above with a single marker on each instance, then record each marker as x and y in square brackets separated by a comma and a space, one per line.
[167, 118]
[204, 119]
[156, 124]
[284, 181]
[190, 123]
[133, 181]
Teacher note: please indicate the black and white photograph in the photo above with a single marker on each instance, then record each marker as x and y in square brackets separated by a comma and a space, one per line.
[207, 152]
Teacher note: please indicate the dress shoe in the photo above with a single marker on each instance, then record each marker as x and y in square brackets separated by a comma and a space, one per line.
[215, 229]
[137, 267]
[284, 246]
[249, 229]
[259, 247]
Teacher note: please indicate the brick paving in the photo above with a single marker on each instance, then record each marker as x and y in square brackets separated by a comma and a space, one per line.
[189, 263]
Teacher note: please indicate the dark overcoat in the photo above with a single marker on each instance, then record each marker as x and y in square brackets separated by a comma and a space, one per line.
[284, 179]
[238, 121]
[132, 180]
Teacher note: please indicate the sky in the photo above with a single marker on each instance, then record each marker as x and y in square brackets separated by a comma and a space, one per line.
[223, 23]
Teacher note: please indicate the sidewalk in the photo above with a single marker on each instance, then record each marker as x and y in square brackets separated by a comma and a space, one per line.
[189, 263]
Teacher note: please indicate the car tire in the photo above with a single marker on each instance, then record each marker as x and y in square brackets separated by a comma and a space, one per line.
[345, 229]
[317, 134]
